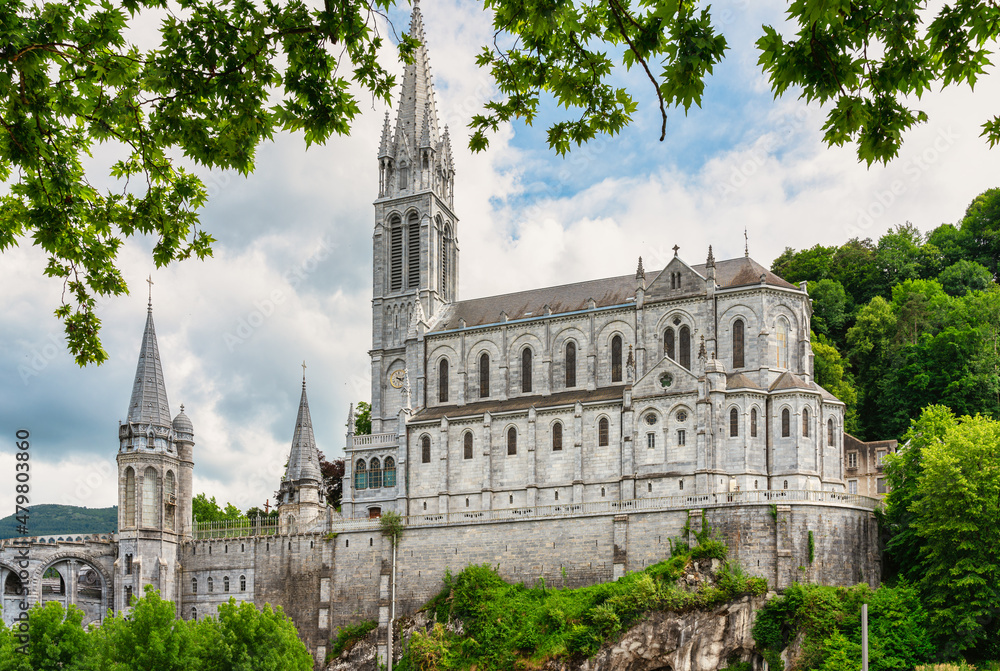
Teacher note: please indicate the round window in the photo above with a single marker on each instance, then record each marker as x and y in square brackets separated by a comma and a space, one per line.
[666, 380]
[651, 418]
[682, 416]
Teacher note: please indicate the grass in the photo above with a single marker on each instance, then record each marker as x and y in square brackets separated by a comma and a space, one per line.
[513, 626]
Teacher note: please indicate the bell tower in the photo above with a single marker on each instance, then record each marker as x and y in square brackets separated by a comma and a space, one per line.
[415, 241]
[155, 464]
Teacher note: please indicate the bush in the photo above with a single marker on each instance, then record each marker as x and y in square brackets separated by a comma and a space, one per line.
[348, 636]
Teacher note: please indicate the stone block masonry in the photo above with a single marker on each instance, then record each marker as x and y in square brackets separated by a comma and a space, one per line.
[324, 581]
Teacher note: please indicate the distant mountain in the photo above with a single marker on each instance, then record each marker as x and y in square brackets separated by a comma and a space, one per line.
[46, 519]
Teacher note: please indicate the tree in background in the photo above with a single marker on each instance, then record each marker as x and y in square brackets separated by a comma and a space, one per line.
[205, 509]
[964, 276]
[916, 321]
[943, 509]
[333, 480]
[363, 419]
[831, 374]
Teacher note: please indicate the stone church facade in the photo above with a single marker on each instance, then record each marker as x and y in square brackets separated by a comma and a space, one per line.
[565, 433]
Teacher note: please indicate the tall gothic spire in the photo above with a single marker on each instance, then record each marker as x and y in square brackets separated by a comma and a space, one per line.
[303, 460]
[416, 101]
[148, 404]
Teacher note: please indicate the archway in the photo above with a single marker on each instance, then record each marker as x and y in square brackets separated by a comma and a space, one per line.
[70, 580]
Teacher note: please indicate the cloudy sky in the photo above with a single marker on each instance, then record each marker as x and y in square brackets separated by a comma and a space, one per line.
[291, 276]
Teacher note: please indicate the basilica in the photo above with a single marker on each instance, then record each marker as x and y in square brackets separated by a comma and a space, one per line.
[695, 378]
[566, 433]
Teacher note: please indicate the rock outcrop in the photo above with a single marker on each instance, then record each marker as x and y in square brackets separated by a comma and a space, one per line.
[692, 641]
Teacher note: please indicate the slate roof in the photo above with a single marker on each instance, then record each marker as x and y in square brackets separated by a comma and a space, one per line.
[303, 460]
[148, 404]
[789, 380]
[606, 292]
[521, 403]
[740, 381]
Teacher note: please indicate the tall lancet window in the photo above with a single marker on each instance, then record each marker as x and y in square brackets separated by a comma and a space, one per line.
[445, 260]
[805, 422]
[395, 254]
[129, 497]
[443, 381]
[782, 355]
[170, 500]
[738, 360]
[571, 364]
[413, 251]
[484, 375]
[526, 370]
[684, 357]
[149, 497]
[668, 344]
[616, 359]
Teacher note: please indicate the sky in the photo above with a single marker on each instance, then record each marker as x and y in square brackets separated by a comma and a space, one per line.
[290, 279]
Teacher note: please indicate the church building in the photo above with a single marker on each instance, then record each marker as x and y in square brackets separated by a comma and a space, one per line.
[692, 379]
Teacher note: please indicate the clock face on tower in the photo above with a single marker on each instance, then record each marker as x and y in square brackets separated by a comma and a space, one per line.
[396, 378]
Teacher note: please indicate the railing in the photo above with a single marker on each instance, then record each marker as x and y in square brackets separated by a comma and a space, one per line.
[374, 440]
[234, 528]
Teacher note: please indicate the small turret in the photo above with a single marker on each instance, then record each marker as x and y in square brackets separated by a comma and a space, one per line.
[300, 494]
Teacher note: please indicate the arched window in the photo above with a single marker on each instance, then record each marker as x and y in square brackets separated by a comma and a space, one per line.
[753, 422]
[738, 359]
[734, 422]
[443, 381]
[684, 355]
[149, 497]
[786, 423]
[425, 449]
[603, 429]
[225, 584]
[805, 422]
[616, 359]
[211, 584]
[512, 440]
[389, 472]
[395, 254]
[467, 445]
[829, 432]
[194, 585]
[668, 344]
[571, 364]
[557, 436]
[361, 475]
[526, 370]
[243, 583]
[413, 251]
[445, 247]
[484, 375]
[194, 613]
[129, 497]
[374, 474]
[782, 355]
[170, 499]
